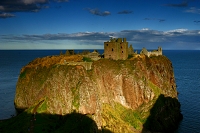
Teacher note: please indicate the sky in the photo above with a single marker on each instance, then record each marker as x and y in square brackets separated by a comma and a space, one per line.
[87, 24]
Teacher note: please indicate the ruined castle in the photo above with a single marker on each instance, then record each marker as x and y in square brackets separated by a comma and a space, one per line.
[117, 49]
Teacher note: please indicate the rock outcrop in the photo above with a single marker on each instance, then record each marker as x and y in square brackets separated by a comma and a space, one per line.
[120, 96]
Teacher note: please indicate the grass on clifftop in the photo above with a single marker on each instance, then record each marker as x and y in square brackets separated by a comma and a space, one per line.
[87, 59]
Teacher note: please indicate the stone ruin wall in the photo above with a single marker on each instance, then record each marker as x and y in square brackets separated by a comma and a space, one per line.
[155, 53]
[152, 53]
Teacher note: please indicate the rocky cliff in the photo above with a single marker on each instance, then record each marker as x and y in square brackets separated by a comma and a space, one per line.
[120, 96]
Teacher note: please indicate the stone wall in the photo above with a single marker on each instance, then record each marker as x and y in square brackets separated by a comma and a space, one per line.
[93, 55]
[87, 65]
[130, 50]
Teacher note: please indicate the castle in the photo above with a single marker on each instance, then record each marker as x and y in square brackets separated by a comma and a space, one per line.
[116, 49]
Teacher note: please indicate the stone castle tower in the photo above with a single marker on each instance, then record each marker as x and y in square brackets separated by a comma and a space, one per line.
[116, 49]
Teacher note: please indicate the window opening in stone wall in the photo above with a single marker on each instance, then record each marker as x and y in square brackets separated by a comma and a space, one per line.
[121, 46]
[112, 49]
[107, 44]
[122, 51]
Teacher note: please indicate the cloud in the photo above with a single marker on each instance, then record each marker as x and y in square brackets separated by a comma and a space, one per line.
[21, 5]
[197, 21]
[6, 15]
[125, 12]
[177, 30]
[12, 6]
[61, 0]
[157, 19]
[183, 4]
[33, 1]
[98, 13]
[145, 28]
[193, 10]
[161, 20]
[139, 38]
[83, 36]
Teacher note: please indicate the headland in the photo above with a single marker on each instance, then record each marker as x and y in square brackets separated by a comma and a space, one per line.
[119, 91]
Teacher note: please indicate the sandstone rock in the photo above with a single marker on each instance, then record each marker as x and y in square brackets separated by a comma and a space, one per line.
[119, 95]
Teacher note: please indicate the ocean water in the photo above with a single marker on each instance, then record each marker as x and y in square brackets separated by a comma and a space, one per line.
[186, 66]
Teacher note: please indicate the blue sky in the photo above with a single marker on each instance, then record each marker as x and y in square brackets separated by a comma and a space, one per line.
[86, 24]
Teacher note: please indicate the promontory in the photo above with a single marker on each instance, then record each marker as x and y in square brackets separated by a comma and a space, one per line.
[123, 92]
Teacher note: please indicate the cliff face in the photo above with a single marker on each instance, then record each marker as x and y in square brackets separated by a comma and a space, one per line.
[117, 95]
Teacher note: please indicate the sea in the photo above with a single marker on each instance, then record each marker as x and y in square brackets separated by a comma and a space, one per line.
[186, 65]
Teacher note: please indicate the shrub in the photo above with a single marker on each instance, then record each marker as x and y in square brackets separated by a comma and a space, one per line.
[87, 59]
[130, 56]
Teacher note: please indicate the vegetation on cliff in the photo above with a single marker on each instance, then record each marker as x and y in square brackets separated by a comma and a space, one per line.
[113, 96]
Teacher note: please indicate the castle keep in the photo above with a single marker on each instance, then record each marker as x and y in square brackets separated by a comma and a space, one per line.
[116, 49]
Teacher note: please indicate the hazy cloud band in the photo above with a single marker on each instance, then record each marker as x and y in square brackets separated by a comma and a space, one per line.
[139, 38]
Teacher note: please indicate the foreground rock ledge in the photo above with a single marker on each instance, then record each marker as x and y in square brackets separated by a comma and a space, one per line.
[135, 95]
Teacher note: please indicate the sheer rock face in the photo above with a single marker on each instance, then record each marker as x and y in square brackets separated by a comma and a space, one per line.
[133, 83]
